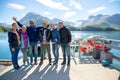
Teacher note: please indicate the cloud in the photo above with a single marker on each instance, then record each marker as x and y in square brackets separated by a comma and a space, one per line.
[75, 4]
[47, 13]
[69, 14]
[95, 10]
[16, 6]
[52, 4]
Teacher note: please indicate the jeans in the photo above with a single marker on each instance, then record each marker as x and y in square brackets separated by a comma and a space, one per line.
[55, 50]
[43, 48]
[24, 51]
[66, 50]
[15, 57]
[33, 47]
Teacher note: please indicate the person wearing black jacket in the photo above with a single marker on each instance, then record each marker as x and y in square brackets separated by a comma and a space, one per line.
[14, 44]
[44, 37]
[65, 36]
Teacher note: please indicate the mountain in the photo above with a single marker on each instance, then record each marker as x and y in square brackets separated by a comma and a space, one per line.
[114, 19]
[56, 20]
[77, 23]
[103, 20]
[4, 24]
[100, 21]
[38, 19]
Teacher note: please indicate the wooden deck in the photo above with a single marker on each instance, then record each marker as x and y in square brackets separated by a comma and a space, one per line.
[76, 71]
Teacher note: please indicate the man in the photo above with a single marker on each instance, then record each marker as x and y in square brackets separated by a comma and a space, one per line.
[44, 37]
[65, 36]
[14, 44]
[32, 31]
[55, 42]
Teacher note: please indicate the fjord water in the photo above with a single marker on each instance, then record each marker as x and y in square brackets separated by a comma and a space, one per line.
[5, 52]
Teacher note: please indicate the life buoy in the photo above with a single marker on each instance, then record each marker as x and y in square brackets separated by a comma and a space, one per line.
[83, 49]
[97, 46]
[90, 43]
[100, 47]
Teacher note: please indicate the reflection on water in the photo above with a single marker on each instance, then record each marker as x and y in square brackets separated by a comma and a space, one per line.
[3, 36]
[4, 47]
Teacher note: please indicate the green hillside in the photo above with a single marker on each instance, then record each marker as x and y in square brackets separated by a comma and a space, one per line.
[96, 27]
[3, 29]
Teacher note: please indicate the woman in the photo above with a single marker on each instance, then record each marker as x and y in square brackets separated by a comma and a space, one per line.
[14, 44]
[24, 44]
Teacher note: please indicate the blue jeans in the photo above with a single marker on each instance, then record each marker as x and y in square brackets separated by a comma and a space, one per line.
[55, 51]
[15, 57]
[66, 50]
[33, 47]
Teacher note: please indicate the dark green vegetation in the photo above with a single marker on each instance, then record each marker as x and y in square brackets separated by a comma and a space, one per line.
[3, 29]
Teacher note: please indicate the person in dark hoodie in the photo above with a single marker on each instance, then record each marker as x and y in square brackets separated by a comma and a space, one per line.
[65, 36]
[44, 37]
[55, 39]
[32, 31]
[14, 44]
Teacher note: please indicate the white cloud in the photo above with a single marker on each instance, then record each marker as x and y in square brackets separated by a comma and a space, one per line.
[69, 14]
[95, 10]
[52, 4]
[16, 6]
[47, 13]
[75, 4]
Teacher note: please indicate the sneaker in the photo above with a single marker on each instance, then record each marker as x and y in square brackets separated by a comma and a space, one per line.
[35, 63]
[50, 63]
[68, 64]
[41, 62]
[31, 63]
[63, 63]
[23, 63]
[28, 63]
[16, 68]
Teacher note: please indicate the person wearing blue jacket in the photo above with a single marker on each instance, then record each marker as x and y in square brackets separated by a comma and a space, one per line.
[32, 31]
[55, 39]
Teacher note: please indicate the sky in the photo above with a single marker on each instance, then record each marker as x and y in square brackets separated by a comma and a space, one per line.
[67, 10]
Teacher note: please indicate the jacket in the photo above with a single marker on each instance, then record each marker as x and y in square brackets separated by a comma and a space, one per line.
[48, 34]
[12, 39]
[65, 35]
[55, 36]
[32, 33]
[22, 39]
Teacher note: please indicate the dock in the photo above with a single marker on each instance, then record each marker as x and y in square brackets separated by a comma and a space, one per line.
[75, 71]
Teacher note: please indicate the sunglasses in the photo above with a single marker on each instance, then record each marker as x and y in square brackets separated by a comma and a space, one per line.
[31, 23]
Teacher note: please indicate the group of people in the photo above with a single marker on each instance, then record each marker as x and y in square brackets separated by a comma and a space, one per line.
[29, 36]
